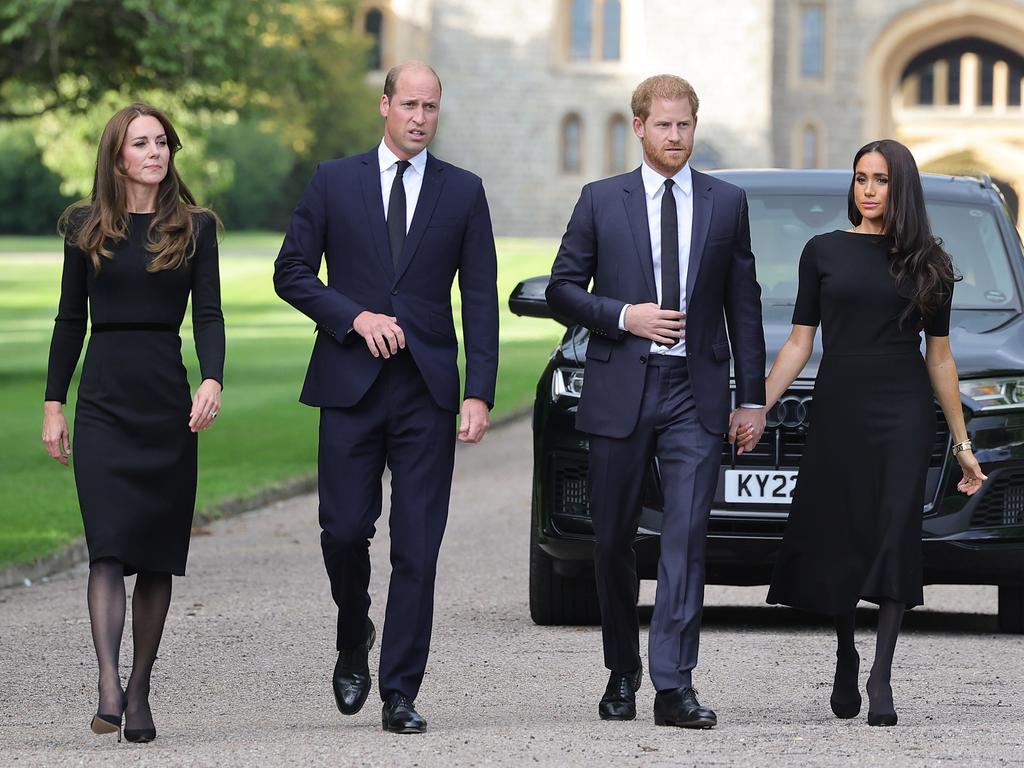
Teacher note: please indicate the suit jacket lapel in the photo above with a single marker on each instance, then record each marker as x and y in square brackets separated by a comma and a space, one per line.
[369, 181]
[635, 199]
[703, 204]
[430, 192]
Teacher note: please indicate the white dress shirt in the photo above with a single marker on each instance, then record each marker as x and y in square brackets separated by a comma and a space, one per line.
[412, 178]
[654, 190]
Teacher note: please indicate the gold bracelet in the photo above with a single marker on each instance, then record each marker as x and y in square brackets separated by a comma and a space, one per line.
[966, 445]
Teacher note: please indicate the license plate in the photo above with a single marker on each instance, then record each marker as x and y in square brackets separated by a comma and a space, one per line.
[760, 486]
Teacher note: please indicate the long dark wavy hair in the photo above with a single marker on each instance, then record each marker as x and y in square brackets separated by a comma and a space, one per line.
[94, 225]
[920, 265]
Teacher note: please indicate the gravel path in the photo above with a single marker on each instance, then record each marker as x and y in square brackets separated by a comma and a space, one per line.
[243, 672]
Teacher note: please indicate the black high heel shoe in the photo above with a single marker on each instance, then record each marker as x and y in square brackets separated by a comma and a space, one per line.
[138, 735]
[102, 724]
[846, 699]
[885, 714]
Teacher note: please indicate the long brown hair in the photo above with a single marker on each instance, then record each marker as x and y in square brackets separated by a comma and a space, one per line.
[923, 270]
[94, 225]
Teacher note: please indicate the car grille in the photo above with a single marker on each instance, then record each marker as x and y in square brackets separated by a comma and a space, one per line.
[1002, 503]
[782, 447]
[572, 499]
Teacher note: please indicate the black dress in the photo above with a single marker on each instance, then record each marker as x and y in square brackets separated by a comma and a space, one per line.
[854, 529]
[134, 455]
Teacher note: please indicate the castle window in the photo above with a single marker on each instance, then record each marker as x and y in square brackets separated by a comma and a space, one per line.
[373, 26]
[581, 29]
[611, 32]
[809, 147]
[572, 144]
[617, 136]
[812, 41]
[594, 30]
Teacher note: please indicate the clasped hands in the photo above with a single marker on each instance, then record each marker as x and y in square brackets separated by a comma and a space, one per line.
[746, 425]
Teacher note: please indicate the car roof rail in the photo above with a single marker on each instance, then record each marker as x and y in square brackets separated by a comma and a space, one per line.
[986, 181]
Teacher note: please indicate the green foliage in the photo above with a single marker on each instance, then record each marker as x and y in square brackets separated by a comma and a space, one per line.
[30, 196]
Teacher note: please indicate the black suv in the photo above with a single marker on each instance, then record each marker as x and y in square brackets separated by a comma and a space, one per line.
[976, 540]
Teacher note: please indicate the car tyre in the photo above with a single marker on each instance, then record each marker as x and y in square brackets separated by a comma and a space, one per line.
[1011, 609]
[556, 599]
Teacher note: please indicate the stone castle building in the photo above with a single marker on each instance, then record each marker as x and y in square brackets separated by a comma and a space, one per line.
[536, 92]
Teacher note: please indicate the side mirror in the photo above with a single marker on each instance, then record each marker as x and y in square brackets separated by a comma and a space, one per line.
[527, 300]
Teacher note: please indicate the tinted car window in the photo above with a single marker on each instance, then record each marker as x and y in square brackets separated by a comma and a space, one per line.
[780, 225]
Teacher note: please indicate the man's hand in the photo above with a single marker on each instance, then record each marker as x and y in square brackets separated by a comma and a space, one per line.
[381, 333]
[474, 420]
[649, 321]
[746, 425]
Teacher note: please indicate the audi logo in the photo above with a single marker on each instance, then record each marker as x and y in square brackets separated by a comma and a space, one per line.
[791, 411]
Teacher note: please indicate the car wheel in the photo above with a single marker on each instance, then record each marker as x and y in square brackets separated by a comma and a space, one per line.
[557, 599]
[1011, 609]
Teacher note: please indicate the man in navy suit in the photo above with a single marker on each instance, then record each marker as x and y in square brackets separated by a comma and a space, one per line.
[674, 289]
[395, 226]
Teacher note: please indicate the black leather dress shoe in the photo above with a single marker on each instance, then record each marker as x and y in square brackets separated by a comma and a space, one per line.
[399, 715]
[680, 708]
[351, 681]
[619, 700]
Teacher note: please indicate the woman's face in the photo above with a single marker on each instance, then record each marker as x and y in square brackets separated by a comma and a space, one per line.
[871, 187]
[145, 155]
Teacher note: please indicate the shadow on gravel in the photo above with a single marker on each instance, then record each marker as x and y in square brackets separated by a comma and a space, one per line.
[761, 617]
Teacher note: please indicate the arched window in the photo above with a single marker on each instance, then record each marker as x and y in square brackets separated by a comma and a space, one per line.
[809, 147]
[974, 70]
[594, 29]
[611, 31]
[581, 29]
[812, 40]
[373, 25]
[572, 144]
[618, 134]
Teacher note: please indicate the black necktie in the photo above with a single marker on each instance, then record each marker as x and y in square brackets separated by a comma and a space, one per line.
[669, 249]
[396, 214]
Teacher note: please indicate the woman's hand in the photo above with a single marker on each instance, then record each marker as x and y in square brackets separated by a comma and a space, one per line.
[973, 476]
[205, 405]
[56, 437]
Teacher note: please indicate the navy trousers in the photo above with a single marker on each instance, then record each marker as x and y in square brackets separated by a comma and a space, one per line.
[396, 424]
[688, 459]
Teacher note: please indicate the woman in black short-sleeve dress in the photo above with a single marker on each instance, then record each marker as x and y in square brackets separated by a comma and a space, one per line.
[854, 528]
[133, 256]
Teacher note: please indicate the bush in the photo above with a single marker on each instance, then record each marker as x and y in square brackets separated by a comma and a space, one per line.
[30, 196]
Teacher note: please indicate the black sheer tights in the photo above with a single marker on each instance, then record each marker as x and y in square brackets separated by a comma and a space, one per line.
[150, 601]
[845, 696]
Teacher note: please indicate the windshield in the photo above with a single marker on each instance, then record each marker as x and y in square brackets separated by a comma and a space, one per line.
[780, 225]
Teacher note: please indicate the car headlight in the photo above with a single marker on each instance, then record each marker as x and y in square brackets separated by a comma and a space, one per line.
[567, 382]
[994, 394]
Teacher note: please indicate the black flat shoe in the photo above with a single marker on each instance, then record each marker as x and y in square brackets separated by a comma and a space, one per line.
[399, 715]
[881, 710]
[139, 735]
[619, 700]
[681, 709]
[846, 700]
[351, 680]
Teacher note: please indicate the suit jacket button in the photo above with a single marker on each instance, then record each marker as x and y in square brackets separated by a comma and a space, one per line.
[643, 359]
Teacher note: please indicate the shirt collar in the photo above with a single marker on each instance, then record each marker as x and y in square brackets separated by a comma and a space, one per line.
[653, 181]
[387, 158]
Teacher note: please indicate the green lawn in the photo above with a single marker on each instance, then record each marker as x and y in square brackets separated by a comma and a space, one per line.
[263, 437]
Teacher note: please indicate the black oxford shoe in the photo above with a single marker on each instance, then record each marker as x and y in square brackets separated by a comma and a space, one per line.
[399, 715]
[351, 681]
[680, 708]
[619, 700]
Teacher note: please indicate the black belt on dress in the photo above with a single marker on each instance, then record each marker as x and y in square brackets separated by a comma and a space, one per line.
[666, 361]
[106, 327]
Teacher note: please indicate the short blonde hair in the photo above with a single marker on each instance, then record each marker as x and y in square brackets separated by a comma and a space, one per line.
[662, 87]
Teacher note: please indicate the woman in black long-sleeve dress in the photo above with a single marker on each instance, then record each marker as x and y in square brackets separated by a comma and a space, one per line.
[133, 255]
[854, 528]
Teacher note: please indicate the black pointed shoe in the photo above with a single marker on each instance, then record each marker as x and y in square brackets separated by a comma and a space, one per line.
[619, 700]
[679, 707]
[399, 715]
[351, 681]
[846, 700]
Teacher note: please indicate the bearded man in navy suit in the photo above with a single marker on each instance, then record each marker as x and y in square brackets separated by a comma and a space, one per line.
[395, 225]
[674, 292]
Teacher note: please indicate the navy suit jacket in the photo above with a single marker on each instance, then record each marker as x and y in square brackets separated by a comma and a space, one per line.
[608, 241]
[341, 218]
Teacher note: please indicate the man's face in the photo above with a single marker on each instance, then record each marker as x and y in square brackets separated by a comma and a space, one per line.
[667, 134]
[410, 115]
